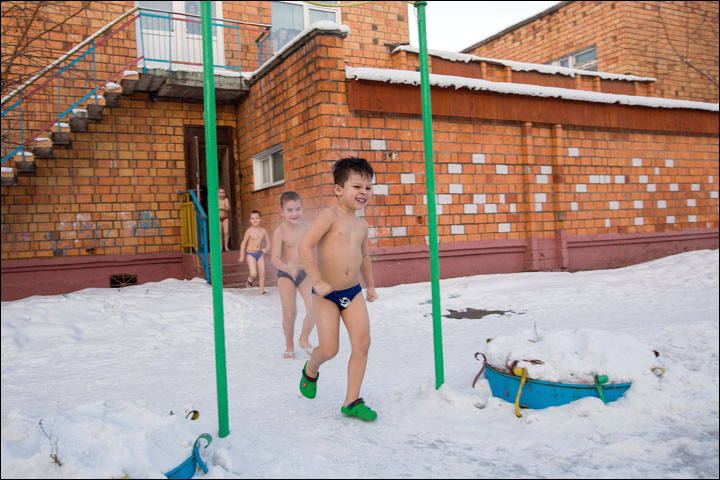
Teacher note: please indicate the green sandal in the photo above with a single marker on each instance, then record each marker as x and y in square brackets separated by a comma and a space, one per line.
[308, 386]
[360, 410]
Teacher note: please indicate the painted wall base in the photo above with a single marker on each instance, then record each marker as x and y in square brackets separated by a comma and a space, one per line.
[391, 266]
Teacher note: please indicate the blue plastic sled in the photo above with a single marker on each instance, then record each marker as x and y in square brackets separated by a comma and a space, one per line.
[538, 394]
[188, 467]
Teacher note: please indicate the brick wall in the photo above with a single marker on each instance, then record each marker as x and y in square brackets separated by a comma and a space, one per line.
[112, 192]
[645, 38]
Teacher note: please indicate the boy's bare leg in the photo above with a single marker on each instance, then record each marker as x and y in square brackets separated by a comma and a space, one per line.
[226, 234]
[327, 318]
[286, 287]
[356, 320]
[305, 289]
[261, 274]
[252, 266]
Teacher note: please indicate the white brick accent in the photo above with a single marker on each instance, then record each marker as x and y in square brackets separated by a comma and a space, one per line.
[490, 208]
[595, 179]
[377, 145]
[619, 178]
[674, 187]
[513, 208]
[657, 170]
[695, 187]
[546, 169]
[503, 227]
[541, 179]
[541, 197]
[692, 218]
[380, 189]
[643, 179]
[710, 178]
[607, 222]
[454, 168]
[372, 232]
[439, 209]
[399, 231]
[478, 158]
[714, 194]
[470, 208]
[662, 204]
[614, 205]
[538, 207]
[501, 169]
[651, 187]
[456, 188]
[691, 202]
[408, 209]
[502, 198]
[574, 206]
[457, 229]
[669, 163]
[639, 221]
[407, 178]
[580, 187]
[573, 152]
[670, 219]
[479, 198]
[444, 199]
[637, 162]
[638, 204]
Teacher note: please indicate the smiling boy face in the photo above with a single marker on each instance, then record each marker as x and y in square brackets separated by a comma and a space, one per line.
[292, 211]
[356, 193]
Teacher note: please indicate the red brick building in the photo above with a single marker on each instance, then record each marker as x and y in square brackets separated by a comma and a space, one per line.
[535, 169]
[674, 42]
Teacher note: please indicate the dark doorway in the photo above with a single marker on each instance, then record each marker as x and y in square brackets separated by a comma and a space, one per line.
[196, 172]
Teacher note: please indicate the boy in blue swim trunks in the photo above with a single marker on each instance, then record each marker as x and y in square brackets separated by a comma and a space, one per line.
[291, 276]
[340, 239]
[252, 250]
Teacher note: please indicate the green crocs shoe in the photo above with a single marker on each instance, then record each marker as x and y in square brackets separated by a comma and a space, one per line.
[308, 386]
[360, 410]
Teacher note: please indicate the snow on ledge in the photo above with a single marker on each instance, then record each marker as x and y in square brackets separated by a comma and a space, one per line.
[524, 67]
[445, 81]
[325, 25]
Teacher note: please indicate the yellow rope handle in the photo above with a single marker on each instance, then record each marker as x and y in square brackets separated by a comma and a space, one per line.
[522, 373]
[658, 371]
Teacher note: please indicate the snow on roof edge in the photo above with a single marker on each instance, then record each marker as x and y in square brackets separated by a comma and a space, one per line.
[446, 81]
[524, 66]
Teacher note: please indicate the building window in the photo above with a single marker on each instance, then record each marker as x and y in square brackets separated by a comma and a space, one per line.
[585, 59]
[268, 168]
[291, 18]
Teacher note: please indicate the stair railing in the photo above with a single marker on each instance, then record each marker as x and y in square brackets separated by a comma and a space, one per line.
[194, 228]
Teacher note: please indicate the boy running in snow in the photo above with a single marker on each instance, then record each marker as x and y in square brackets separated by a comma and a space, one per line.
[251, 246]
[342, 256]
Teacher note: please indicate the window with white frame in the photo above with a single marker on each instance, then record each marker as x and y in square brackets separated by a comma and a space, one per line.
[268, 168]
[291, 18]
[585, 59]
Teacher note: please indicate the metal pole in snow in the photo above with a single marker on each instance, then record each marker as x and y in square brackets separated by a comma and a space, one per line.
[214, 218]
[430, 182]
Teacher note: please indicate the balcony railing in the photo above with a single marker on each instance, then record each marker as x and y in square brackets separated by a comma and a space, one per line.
[141, 39]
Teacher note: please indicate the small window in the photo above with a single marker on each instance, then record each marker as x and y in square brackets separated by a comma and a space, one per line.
[268, 168]
[585, 59]
[291, 18]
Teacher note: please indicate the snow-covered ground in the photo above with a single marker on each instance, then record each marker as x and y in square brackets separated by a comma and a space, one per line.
[103, 379]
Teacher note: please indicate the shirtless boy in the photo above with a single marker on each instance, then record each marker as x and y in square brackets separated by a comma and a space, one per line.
[291, 276]
[252, 247]
[341, 239]
[224, 206]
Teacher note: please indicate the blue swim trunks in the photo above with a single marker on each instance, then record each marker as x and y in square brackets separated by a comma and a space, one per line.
[342, 298]
[301, 275]
[255, 255]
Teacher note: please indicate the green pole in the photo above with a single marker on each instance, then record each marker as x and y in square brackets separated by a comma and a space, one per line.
[214, 218]
[430, 182]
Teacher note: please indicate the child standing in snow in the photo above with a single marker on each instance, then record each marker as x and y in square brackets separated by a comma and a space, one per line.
[342, 256]
[291, 276]
[252, 247]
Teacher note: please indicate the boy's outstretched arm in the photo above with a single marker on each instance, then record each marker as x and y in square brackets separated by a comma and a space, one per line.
[306, 249]
[243, 246]
[366, 271]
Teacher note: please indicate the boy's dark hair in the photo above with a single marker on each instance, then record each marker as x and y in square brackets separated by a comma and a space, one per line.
[343, 167]
[288, 197]
[255, 211]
